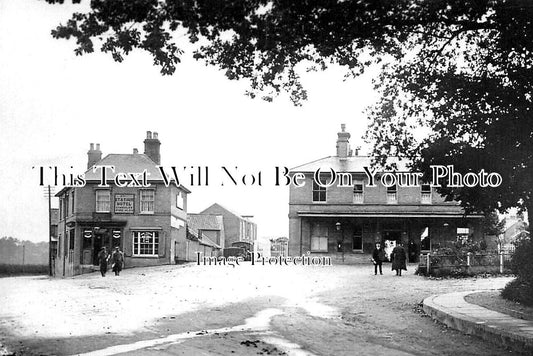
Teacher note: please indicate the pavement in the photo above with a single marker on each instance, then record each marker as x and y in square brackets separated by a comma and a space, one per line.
[452, 310]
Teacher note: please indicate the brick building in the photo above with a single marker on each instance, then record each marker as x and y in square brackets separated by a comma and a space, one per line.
[205, 234]
[345, 222]
[237, 228]
[147, 223]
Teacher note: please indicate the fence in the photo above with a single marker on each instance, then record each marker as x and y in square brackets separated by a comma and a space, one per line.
[464, 264]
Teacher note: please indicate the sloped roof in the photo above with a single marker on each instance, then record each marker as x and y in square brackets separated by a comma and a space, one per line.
[205, 222]
[228, 210]
[127, 163]
[350, 164]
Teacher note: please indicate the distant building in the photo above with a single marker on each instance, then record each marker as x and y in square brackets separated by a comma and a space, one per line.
[515, 228]
[237, 228]
[345, 222]
[148, 224]
[279, 247]
[205, 234]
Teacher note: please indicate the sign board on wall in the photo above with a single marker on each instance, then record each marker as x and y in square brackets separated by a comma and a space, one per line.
[124, 203]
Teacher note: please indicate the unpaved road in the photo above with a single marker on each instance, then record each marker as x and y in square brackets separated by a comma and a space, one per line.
[224, 310]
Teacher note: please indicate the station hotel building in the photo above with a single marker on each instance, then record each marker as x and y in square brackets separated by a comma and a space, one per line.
[148, 224]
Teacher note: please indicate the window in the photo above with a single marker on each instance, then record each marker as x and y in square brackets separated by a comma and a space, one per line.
[145, 243]
[72, 203]
[147, 200]
[319, 193]
[425, 197]
[357, 240]
[358, 197]
[392, 196]
[319, 238]
[71, 238]
[179, 200]
[103, 201]
[425, 241]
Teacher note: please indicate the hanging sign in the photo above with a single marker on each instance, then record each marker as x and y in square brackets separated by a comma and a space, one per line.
[124, 203]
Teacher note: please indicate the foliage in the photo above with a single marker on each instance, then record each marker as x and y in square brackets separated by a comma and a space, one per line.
[12, 251]
[492, 224]
[521, 289]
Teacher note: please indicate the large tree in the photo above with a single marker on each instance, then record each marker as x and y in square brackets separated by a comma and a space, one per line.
[459, 70]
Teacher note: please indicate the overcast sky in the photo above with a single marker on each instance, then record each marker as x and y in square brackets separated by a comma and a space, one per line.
[53, 104]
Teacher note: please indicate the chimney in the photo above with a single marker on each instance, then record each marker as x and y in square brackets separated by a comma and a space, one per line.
[343, 146]
[135, 151]
[94, 155]
[151, 147]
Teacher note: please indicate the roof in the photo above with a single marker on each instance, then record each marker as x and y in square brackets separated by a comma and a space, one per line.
[229, 211]
[205, 221]
[195, 234]
[349, 164]
[125, 163]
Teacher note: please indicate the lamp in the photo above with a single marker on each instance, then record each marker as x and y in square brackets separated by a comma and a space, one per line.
[338, 226]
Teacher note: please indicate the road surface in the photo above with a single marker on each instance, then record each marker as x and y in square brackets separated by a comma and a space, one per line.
[241, 310]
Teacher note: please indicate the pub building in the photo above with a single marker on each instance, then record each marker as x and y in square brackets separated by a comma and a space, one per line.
[148, 223]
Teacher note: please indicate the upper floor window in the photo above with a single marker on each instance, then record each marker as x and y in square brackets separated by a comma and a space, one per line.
[72, 203]
[103, 201]
[319, 193]
[179, 200]
[147, 200]
[392, 195]
[425, 197]
[358, 194]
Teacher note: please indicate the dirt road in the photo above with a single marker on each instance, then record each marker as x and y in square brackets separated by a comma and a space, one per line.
[224, 310]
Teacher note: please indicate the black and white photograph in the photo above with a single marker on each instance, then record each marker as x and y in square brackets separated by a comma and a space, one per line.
[261, 177]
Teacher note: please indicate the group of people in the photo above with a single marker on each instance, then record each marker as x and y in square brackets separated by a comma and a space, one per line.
[116, 258]
[398, 258]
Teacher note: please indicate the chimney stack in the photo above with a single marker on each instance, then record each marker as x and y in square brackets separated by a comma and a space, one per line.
[343, 145]
[152, 147]
[135, 151]
[94, 155]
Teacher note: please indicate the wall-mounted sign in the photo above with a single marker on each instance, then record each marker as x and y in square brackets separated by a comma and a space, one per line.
[88, 233]
[124, 203]
[116, 234]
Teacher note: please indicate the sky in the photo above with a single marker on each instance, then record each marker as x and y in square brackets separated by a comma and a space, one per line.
[53, 104]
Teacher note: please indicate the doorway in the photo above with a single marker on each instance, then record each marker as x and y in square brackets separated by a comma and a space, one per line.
[390, 240]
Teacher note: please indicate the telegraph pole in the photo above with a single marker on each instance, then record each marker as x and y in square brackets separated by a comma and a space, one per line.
[48, 194]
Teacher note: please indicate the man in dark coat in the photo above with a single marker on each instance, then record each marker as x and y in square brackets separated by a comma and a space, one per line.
[378, 256]
[398, 258]
[117, 258]
[102, 261]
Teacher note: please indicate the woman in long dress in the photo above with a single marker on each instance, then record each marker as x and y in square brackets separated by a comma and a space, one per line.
[399, 258]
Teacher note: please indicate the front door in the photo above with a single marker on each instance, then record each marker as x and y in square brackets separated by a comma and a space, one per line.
[102, 238]
[390, 240]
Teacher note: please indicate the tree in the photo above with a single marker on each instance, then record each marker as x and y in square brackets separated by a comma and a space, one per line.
[460, 69]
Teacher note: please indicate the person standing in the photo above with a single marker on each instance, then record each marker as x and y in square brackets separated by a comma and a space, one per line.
[398, 258]
[378, 256]
[118, 261]
[102, 261]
